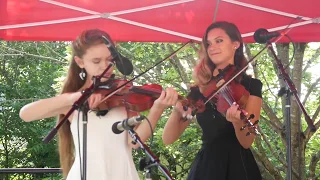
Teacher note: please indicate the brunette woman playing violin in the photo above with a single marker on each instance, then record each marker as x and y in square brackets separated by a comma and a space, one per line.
[225, 152]
[108, 155]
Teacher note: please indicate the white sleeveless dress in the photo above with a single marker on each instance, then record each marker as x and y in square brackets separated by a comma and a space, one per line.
[108, 155]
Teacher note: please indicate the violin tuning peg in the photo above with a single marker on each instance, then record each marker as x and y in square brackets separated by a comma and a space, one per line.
[251, 116]
[243, 128]
[185, 108]
[254, 130]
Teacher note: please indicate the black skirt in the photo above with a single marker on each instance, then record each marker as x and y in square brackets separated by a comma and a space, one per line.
[224, 159]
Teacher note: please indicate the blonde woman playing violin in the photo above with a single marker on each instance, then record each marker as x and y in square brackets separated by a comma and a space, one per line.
[225, 153]
[108, 155]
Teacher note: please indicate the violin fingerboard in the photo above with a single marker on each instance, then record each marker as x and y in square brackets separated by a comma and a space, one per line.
[144, 91]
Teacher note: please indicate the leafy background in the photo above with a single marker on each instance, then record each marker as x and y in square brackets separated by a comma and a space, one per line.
[34, 70]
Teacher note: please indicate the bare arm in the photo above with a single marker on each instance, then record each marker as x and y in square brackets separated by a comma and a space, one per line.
[174, 126]
[143, 130]
[253, 106]
[49, 107]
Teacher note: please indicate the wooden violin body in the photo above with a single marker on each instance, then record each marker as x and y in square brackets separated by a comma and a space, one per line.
[224, 90]
[136, 102]
[137, 98]
[225, 96]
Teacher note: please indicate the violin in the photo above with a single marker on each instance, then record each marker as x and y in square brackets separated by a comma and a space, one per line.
[224, 89]
[137, 98]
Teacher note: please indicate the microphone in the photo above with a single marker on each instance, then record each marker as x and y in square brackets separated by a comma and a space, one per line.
[262, 35]
[123, 64]
[129, 123]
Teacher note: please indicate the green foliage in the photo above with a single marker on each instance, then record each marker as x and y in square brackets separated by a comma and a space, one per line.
[26, 78]
[37, 70]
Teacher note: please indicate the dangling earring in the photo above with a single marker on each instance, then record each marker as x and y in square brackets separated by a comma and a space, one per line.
[82, 74]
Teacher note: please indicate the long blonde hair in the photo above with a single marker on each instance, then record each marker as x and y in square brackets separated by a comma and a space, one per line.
[202, 73]
[73, 83]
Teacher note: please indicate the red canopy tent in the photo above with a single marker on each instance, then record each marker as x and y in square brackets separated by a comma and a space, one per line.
[154, 20]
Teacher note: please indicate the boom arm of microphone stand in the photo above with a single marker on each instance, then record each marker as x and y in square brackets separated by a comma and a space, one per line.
[154, 159]
[293, 90]
[290, 83]
[86, 94]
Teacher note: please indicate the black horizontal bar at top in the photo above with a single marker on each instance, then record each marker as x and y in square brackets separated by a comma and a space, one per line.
[29, 170]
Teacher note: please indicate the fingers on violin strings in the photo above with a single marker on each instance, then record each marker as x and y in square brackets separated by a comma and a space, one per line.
[234, 104]
[169, 94]
[162, 95]
[238, 114]
[232, 111]
[174, 97]
[228, 113]
[244, 112]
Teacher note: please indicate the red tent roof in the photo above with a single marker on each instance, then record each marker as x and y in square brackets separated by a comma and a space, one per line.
[154, 20]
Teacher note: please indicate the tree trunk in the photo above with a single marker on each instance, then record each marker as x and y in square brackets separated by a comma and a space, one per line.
[298, 159]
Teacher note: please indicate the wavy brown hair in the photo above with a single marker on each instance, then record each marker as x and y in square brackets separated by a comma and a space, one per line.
[73, 83]
[203, 71]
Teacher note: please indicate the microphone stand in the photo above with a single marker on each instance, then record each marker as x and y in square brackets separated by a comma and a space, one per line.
[154, 159]
[84, 108]
[144, 163]
[81, 104]
[289, 90]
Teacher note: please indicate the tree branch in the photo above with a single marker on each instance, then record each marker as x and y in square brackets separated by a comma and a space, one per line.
[5, 73]
[313, 163]
[265, 161]
[308, 133]
[313, 58]
[271, 149]
[269, 89]
[33, 55]
[264, 172]
[178, 66]
[129, 55]
[310, 90]
[191, 59]
[194, 47]
[49, 48]
[254, 64]
[277, 156]
[13, 100]
[11, 54]
[272, 125]
[317, 125]
[272, 116]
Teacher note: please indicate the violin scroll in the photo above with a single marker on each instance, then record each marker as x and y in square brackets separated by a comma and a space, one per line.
[252, 129]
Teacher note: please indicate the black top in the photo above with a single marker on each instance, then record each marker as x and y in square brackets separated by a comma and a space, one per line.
[221, 156]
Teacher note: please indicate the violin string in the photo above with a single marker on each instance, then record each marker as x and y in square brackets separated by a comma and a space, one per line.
[226, 94]
[230, 94]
